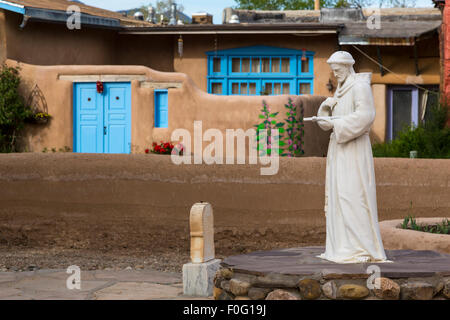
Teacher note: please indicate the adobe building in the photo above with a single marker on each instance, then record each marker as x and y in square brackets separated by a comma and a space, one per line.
[157, 78]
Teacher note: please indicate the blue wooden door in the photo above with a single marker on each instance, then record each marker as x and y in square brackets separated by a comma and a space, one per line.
[117, 117]
[102, 121]
[161, 109]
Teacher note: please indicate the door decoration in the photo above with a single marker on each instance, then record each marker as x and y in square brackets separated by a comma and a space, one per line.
[99, 87]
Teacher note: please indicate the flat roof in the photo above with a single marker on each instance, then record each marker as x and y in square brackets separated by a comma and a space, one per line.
[241, 28]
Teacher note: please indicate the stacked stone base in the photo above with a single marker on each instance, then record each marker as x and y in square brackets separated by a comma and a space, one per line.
[230, 285]
[297, 274]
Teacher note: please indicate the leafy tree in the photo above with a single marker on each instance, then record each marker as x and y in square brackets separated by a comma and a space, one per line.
[161, 7]
[309, 4]
[13, 111]
[280, 4]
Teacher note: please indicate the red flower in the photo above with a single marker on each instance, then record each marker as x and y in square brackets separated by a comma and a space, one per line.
[147, 150]
[163, 150]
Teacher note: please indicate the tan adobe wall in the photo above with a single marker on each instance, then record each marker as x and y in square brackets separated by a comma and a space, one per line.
[149, 190]
[400, 60]
[186, 104]
[194, 62]
[53, 44]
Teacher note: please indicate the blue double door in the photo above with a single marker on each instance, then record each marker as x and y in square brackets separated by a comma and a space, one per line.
[102, 121]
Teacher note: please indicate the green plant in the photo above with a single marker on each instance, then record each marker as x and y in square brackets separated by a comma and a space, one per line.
[264, 143]
[430, 139]
[440, 228]
[294, 131]
[13, 111]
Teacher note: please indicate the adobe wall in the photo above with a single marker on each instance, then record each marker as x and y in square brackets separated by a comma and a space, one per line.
[100, 190]
[53, 44]
[400, 60]
[186, 104]
[194, 60]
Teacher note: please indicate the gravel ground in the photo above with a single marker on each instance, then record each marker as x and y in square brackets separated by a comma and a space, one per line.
[159, 251]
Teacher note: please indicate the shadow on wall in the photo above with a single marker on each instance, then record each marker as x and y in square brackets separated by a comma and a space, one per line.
[186, 104]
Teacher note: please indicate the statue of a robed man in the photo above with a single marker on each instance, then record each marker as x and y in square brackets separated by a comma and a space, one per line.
[353, 234]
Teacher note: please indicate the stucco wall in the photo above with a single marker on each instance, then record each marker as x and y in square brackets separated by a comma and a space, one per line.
[115, 188]
[378, 132]
[194, 63]
[54, 44]
[155, 52]
[186, 104]
[400, 60]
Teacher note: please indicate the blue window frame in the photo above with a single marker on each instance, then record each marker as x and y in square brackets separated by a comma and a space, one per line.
[260, 70]
[161, 109]
[403, 109]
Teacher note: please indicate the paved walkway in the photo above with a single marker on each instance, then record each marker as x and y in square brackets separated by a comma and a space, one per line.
[95, 285]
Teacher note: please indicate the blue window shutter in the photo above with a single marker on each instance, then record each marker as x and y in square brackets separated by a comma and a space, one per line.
[161, 109]
[283, 82]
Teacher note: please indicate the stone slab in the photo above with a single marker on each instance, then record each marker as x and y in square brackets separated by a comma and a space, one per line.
[139, 276]
[303, 261]
[198, 278]
[137, 291]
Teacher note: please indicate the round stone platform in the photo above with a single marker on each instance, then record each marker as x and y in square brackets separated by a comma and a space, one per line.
[297, 273]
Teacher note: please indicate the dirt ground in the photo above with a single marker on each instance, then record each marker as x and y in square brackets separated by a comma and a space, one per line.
[58, 243]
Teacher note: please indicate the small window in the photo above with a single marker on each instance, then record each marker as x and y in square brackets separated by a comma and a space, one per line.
[216, 65]
[161, 109]
[246, 65]
[286, 88]
[305, 88]
[252, 88]
[268, 88]
[216, 88]
[236, 65]
[285, 65]
[235, 88]
[266, 65]
[277, 88]
[256, 65]
[305, 65]
[243, 88]
[275, 65]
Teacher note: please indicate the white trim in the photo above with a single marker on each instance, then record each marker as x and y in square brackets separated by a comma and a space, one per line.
[102, 77]
[12, 4]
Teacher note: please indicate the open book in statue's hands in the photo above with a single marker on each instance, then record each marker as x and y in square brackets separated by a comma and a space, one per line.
[315, 119]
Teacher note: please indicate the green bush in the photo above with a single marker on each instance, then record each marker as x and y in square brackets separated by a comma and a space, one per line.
[13, 111]
[430, 139]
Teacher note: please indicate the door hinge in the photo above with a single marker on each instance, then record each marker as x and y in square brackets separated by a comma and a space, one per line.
[104, 131]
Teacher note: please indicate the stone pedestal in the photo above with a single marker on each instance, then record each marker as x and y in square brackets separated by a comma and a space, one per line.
[198, 278]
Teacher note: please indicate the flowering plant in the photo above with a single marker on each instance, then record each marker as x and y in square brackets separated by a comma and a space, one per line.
[42, 115]
[165, 148]
[295, 130]
[264, 144]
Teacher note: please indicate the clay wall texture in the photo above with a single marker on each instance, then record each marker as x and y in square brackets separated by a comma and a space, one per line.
[110, 189]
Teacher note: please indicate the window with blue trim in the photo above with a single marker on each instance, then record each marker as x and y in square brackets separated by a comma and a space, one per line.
[161, 108]
[260, 70]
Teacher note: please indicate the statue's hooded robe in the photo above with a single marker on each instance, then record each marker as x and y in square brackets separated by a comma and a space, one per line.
[353, 233]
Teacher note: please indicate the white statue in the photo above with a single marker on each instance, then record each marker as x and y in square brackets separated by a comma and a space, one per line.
[353, 234]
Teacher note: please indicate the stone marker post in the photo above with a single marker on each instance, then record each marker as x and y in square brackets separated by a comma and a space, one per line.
[198, 275]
